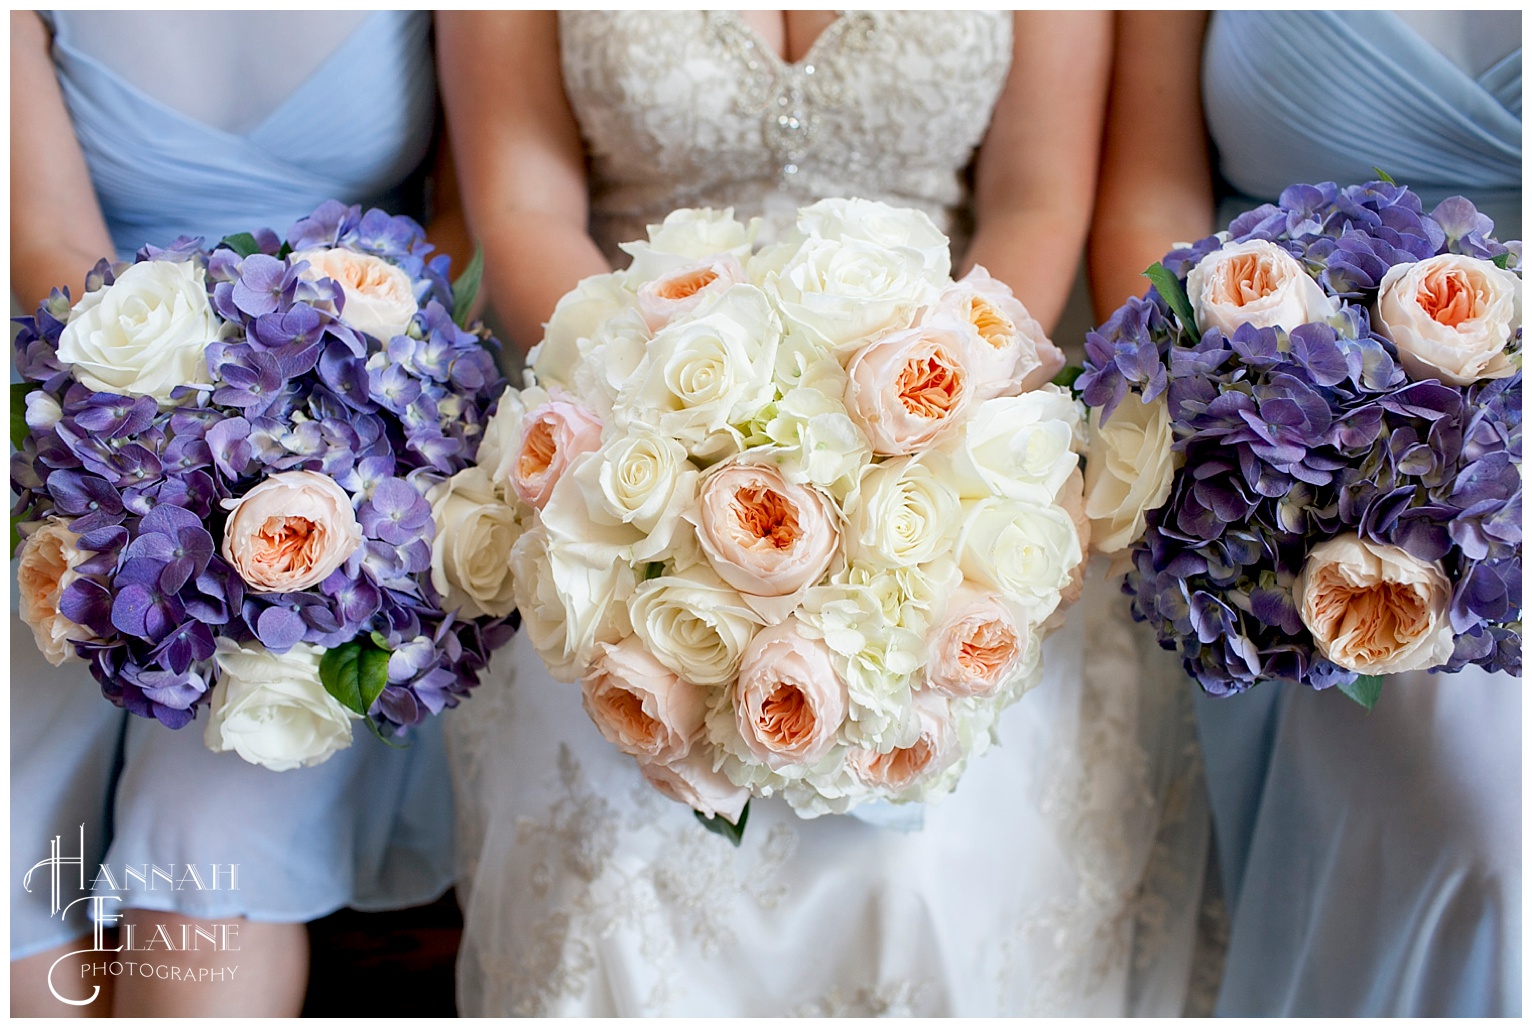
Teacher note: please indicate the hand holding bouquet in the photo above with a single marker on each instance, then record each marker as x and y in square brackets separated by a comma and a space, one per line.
[798, 518]
[1309, 434]
[222, 465]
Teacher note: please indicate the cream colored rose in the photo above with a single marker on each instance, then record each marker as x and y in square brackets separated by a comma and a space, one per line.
[902, 513]
[692, 781]
[1256, 283]
[1374, 609]
[900, 769]
[1025, 550]
[707, 373]
[976, 646]
[290, 531]
[145, 334]
[380, 298]
[272, 709]
[1021, 447]
[663, 299]
[608, 359]
[688, 234]
[552, 436]
[1009, 352]
[871, 221]
[1451, 317]
[908, 390]
[1128, 470]
[788, 702]
[471, 552]
[49, 557]
[540, 607]
[577, 316]
[640, 705]
[1071, 497]
[763, 535]
[695, 623]
[642, 480]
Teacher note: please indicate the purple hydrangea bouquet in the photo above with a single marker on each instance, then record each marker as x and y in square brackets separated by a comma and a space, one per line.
[226, 461]
[1309, 434]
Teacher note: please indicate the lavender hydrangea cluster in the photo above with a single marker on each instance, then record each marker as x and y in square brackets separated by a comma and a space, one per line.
[288, 382]
[1286, 438]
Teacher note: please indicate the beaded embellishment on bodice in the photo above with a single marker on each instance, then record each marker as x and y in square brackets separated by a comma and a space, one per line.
[693, 109]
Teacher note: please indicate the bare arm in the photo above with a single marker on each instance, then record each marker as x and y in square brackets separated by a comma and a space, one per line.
[57, 230]
[1156, 186]
[519, 161]
[1035, 177]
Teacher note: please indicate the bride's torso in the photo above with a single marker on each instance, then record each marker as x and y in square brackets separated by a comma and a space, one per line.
[699, 109]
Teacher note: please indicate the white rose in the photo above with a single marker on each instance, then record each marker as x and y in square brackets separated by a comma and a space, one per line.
[845, 294]
[641, 480]
[688, 234]
[871, 221]
[273, 710]
[1374, 609]
[901, 513]
[380, 298]
[707, 373]
[608, 359]
[577, 315]
[470, 555]
[565, 609]
[1025, 550]
[145, 334]
[1020, 447]
[1128, 470]
[1451, 317]
[1256, 283]
[696, 625]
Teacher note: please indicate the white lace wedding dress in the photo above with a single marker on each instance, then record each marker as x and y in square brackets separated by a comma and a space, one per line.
[1060, 878]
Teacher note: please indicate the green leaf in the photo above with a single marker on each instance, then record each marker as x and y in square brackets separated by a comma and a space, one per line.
[1066, 377]
[465, 288]
[372, 674]
[19, 429]
[1385, 176]
[1170, 288]
[339, 671]
[385, 740]
[285, 252]
[720, 825]
[242, 243]
[1500, 260]
[1364, 690]
[380, 641]
[15, 534]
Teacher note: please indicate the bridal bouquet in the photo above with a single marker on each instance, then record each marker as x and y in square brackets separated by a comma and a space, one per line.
[796, 519]
[225, 464]
[1309, 432]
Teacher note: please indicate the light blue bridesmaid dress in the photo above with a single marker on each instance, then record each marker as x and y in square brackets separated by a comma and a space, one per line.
[1371, 862]
[371, 828]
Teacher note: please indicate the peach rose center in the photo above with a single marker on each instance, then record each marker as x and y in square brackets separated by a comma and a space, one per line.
[1246, 278]
[987, 649]
[287, 546]
[993, 327]
[626, 712]
[1447, 297]
[900, 767]
[537, 451]
[930, 387]
[686, 286]
[1370, 623]
[786, 719]
[764, 519]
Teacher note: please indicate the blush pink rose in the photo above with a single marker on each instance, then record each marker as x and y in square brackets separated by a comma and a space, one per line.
[692, 781]
[1009, 351]
[641, 706]
[788, 702]
[1452, 317]
[662, 300]
[976, 646]
[932, 752]
[908, 389]
[1256, 283]
[290, 531]
[1374, 609]
[763, 535]
[47, 566]
[380, 298]
[552, 436]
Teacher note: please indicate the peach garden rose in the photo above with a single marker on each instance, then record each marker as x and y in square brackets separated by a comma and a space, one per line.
[290, 531]
[1452, 317]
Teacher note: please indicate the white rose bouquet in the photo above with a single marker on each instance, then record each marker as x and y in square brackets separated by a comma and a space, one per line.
[1309, 435]
[796, 519]
[232, 465]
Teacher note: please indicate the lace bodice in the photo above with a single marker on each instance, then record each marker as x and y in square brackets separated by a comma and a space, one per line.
[693, 109]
